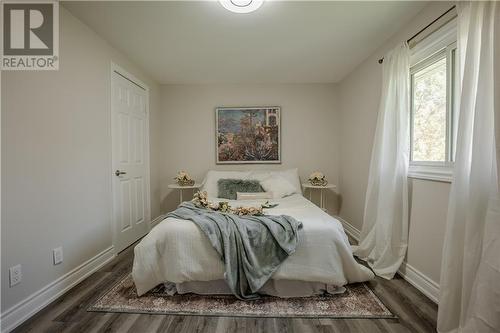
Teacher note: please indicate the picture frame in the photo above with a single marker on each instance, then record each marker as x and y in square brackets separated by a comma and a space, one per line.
[248, 135]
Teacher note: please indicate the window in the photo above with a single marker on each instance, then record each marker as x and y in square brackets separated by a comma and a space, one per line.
[432, 119]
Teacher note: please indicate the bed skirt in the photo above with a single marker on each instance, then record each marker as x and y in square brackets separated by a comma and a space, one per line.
[278, 288]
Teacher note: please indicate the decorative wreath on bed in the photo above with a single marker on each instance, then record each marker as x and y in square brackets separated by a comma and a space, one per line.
[200, 199]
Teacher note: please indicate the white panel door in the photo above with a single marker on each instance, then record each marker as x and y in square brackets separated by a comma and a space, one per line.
[130, 161]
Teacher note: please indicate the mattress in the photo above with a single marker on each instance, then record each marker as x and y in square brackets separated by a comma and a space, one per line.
[177, 251]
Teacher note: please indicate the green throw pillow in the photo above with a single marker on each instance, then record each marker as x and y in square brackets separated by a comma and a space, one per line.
[228, 187]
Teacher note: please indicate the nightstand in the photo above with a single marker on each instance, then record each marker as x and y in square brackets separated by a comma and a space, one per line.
[182, 188]
[322, 203]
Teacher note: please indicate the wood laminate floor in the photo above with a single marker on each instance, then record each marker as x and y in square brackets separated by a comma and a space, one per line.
[416, 313]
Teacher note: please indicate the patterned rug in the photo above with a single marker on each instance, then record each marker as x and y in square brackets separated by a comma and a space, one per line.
[357, 302]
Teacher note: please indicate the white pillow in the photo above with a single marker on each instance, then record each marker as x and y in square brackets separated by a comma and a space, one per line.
[253, 195]
[279, 186]
[213, 176]
[292, 175]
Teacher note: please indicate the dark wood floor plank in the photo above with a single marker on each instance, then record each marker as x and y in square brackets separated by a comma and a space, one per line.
[89, 323]
[401, 302]
[302, 325]
[119, 323]
[68, 314]
[146, 323]
[47, 316]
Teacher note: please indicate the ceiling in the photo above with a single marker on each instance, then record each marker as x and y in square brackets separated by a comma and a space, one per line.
[197, 42]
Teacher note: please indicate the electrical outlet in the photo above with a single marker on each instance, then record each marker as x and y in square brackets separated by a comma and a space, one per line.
[15, 275]
[57, 255]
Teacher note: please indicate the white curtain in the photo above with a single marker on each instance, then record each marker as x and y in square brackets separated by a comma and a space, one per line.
[470, 272]
[384, 235]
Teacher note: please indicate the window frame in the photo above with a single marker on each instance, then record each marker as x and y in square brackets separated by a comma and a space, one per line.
[441, 44]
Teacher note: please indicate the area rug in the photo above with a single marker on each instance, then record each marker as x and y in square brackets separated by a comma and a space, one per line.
[357, 302]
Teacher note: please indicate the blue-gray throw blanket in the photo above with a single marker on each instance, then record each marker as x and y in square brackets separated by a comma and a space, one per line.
[252, 247]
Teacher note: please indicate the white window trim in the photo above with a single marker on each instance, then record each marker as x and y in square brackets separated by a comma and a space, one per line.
[442, 172]
[435, 42]
[439, 41]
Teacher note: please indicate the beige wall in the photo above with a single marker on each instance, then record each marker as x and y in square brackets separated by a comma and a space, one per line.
[427, 226]
[309, 129]
[359, 96]
[55, 160]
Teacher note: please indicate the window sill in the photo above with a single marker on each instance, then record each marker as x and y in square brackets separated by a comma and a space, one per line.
[433, 173]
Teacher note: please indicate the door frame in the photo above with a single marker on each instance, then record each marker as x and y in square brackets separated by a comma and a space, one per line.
[124, 73]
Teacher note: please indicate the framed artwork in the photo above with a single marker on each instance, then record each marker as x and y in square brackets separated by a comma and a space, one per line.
[248, 135]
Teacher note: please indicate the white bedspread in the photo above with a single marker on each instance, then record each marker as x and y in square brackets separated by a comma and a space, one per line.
[177, 251]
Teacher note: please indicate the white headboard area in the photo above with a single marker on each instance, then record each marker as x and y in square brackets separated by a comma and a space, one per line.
[212, 177]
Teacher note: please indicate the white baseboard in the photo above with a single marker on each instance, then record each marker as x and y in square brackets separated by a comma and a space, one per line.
[23, 310]
[157, 220]
[414, 277]
[349, 228]
[420, 281]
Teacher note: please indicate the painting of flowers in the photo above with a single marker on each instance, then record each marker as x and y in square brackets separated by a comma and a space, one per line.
[248, 135]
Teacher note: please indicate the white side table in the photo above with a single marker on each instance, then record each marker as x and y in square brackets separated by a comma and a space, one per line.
[182, 188]
[322, 203]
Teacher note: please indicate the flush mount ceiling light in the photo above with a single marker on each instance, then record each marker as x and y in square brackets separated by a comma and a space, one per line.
[241, 6]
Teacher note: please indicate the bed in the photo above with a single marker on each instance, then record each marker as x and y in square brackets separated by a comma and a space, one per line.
[177, 253]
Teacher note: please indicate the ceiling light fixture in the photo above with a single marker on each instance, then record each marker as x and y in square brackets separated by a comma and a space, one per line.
[241, 6]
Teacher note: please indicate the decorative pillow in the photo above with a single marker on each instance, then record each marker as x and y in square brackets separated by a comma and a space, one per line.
[292, 175]
[253, 195]
[279, 186]
[229, 187]
[213, 176]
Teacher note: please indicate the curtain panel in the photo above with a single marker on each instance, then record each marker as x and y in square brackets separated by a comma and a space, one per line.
[384, 235]
[470, 271]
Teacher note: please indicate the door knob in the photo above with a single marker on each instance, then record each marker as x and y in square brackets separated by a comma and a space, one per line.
[118, 173]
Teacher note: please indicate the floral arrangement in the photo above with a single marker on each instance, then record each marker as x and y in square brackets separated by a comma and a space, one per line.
[248, 211]
[200, 200]
[317, 179]
[184, 179]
